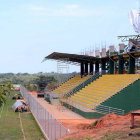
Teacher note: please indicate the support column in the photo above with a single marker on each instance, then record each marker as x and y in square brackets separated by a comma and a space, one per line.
[111, 66]
[82, 68]
[121, 64]
[91, 68]
[131, 64]
[103, 62]
[96, 67]
[86, 68]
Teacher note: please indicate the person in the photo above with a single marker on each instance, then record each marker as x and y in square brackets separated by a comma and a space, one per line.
[22, 109]
[25, 109]
[85, 74]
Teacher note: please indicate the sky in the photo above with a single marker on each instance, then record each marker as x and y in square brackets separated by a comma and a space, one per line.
[33, 29]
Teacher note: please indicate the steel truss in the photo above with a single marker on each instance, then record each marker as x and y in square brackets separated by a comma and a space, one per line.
[126, 38]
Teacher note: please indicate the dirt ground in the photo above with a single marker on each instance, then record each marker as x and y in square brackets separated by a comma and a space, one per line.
[67, 117]
[80, 127]
[58, 112]
[105, 124]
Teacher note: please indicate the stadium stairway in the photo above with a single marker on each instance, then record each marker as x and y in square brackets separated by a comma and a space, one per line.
[102, 89]
[70, 84]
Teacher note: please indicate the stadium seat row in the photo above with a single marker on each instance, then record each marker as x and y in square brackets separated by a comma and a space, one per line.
[102, 89]
[70, 84]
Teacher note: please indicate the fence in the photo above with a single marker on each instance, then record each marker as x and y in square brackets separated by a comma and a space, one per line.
[107, 110]
[51, 128]
[98, 108]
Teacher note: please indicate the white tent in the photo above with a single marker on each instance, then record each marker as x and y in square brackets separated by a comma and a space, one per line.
[135, 20]
[17, 104]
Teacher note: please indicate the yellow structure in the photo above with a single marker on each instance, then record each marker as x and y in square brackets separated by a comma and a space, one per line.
[102, 89]
[70, 84]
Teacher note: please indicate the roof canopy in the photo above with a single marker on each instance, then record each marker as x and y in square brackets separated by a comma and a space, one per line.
[75, 58]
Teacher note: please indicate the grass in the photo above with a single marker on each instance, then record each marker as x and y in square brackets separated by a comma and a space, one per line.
[10, 124]
[122, 135]
[31, 129]
[92, 125]
[86, 138]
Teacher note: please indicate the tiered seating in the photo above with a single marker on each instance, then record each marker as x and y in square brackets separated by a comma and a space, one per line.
[102, 89]
[70, 84]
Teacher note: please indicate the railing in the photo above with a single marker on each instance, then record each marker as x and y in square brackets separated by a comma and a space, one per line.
[61, 78]
[50, 127]
[102, 108]
[122, 84]
[107, 110]
[99, 108]
[85, 83]
[78, 106]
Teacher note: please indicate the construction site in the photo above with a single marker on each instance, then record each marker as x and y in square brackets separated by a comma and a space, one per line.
[70, 70]
[103, 97]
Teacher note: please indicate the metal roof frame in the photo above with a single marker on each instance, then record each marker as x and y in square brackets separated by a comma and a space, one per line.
[76, 59]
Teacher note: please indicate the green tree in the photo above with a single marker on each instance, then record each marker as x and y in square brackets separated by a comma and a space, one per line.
[43, 81]
[5, 90]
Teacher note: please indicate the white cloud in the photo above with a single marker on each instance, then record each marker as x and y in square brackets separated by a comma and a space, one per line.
[66, 10]
[72, 6]
[37, 8]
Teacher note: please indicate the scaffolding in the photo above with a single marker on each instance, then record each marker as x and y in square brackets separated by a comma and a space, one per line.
[62, 67]
[63, 76]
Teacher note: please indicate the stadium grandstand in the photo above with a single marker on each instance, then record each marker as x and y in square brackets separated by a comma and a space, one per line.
[108, 82]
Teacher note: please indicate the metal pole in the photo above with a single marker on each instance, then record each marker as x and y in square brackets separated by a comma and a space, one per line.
[45, 121]
[48, 124]
[51, 127]
[37, 111]
[60, 130]
[55, 128]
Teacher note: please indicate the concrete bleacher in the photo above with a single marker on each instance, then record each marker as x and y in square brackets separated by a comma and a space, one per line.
[102, 89]
[70, 84]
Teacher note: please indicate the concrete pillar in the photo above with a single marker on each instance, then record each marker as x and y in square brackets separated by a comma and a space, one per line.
[82, 68]
[121, 64]
[91, 68]
[111, 66]
[131, 64]
[103, 62]
[86, 67]
[96, 67]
